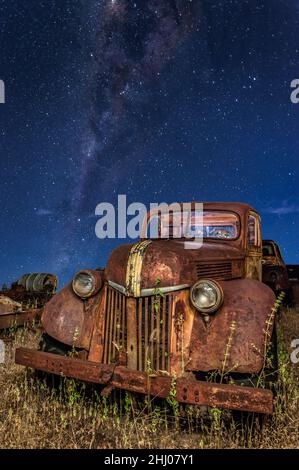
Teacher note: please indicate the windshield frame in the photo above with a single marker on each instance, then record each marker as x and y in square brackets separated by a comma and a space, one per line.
[271, 244]
[216, 239]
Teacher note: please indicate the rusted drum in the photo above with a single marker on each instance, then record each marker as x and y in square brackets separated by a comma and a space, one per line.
[39, 282]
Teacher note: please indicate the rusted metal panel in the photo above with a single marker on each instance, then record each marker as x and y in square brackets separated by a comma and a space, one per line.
[8, 306]
[69, 319]
[157, 353]
[131, 333]
[111, 320]
[173, 265]
[218, 270]
[139, 327]
[253, 266]
[187, 391]
[113, 325]
[243, 316]
[225, 396]
[152, 336]
[164, 333]
[108, 316]
[182, 317]
[65, 366]
[146, 335]
[96, 350]
[19, 318]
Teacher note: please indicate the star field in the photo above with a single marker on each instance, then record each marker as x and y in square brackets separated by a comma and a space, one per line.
[161, 101]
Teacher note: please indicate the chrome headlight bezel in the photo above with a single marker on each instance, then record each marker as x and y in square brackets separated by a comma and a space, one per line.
[217, 291]
[95, 280]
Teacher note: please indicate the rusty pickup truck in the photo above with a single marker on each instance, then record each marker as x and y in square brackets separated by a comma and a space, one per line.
[161, 318]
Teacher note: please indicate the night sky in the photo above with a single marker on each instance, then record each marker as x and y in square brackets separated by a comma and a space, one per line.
[163, 101]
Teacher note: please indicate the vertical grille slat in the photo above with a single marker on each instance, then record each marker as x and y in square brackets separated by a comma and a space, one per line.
[118, 320]
[107, 318]
[144, 334]
[163, 332]
[145, 310]
[140, 345]
[158, 364]
[169, 301]
[112, 317]
[123, 323]
[152, 333]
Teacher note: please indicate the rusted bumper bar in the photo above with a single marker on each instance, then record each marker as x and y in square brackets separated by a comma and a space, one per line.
[9, 320]
[187, 391]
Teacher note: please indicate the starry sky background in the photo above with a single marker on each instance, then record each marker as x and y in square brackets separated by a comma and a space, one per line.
[162, 101]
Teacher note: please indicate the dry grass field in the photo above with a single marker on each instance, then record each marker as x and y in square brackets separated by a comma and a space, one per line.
[32, 415]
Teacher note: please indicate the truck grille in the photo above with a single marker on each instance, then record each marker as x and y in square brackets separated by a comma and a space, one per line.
[141, 326]
[218, 270]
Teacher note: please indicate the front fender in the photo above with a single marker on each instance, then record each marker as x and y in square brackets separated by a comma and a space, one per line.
[234, 339]
[69, 319]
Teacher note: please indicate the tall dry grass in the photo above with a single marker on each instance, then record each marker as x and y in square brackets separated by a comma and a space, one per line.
[32, 415]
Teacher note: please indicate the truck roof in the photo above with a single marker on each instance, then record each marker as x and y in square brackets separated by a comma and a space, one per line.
[239, 207]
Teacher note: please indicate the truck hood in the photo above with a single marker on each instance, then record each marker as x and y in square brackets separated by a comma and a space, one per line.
[168, 263]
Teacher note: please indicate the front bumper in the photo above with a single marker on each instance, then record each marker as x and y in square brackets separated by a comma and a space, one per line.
[117, 376]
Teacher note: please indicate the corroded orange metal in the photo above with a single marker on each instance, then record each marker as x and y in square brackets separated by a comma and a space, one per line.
[19, 318]
[129, 328]
[243, 316]
[69, 319]
[116, 376]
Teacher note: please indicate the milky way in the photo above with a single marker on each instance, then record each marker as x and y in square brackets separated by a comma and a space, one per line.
[159, 100]
[132, 46]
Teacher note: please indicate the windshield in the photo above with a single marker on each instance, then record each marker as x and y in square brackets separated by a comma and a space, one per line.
[206, 224]
[268, 250]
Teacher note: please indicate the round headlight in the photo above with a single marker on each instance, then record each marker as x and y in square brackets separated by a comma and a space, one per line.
[87, 283]
[206, 296]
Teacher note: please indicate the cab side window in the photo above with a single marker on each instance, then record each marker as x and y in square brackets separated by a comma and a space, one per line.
[253, 231]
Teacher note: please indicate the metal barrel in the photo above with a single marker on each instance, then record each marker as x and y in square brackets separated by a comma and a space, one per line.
[39, 282]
